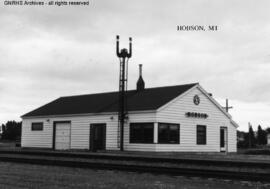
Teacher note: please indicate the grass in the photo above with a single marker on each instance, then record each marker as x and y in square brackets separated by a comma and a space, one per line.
[13, 176]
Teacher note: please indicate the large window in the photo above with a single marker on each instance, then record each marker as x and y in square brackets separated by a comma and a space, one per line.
[37, 126]
[141, 132]
[168, 133]
[201, 134]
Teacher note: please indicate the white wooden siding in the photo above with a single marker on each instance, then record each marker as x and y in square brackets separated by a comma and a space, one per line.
[80, 131]
[232, 138]
[40, 139]
[175, 113]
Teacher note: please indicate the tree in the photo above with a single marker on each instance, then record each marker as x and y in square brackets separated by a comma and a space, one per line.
[12, 130]
[251, 137]
[267, 130]
[261, 136]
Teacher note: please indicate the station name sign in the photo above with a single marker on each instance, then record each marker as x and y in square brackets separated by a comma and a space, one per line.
[196, 115]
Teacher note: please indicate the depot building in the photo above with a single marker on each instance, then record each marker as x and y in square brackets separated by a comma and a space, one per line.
[181, 118]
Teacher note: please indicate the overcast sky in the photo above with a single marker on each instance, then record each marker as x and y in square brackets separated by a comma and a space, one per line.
[50, 51]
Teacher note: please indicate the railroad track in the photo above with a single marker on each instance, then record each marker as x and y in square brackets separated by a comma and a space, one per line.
[142, 164]
[157, 159]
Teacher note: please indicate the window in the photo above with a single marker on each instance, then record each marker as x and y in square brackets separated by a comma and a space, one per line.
[38, 126]
[142, 133]
[168, 133]
[201, 134]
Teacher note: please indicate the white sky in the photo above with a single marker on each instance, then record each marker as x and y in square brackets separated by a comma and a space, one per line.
[47, 52]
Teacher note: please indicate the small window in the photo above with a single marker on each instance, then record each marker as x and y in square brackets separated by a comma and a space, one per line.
[201, 134]
[142, 133]
[168, 133]
[38, 126]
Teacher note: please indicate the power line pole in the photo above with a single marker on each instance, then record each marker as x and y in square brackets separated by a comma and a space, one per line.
[249, 134]
[227, 107]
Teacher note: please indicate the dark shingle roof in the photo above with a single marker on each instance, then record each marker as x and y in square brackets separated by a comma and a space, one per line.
[148, 99]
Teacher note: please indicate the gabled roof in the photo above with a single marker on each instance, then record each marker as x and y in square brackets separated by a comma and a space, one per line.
[148, 99]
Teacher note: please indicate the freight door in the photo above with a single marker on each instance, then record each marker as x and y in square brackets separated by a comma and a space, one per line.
[62, 136]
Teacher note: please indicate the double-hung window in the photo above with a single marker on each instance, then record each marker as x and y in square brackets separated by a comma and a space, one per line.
[201, 134]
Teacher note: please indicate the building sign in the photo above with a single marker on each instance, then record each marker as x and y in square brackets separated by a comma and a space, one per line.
[196, 100]
[197, 115]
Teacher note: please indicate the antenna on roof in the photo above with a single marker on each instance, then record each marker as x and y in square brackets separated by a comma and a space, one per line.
[123, 56]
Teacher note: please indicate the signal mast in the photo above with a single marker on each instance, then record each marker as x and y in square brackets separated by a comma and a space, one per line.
[123, 56]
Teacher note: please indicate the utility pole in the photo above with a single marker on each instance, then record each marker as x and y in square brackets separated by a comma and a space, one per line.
[227, 107]
[123, 56]
[249, 134]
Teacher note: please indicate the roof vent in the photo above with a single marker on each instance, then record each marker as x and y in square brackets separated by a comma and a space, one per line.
[140, 82]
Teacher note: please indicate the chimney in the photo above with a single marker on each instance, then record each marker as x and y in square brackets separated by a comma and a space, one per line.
[140, 82]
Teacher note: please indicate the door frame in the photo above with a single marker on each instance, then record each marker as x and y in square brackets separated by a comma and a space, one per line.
[91, 138]
[54, 132]
[225, 148]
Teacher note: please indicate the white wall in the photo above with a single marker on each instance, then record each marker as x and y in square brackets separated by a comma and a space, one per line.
[232, 138]
[175, 113]
[42, 139]
[80, 130]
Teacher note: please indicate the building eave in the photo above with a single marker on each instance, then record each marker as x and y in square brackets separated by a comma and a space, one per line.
[234, 123]
[86, 114]
[218, 106]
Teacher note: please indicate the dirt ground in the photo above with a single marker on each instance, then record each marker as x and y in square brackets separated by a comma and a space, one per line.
[13, 176]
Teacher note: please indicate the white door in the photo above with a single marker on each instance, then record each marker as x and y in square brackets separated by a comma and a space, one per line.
[62, 136]
[223, 139]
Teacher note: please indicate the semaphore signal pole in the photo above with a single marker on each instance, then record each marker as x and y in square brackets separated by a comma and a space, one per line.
[123, 56]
